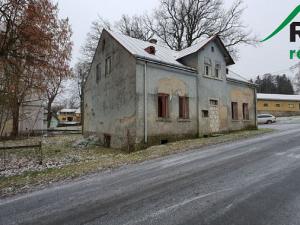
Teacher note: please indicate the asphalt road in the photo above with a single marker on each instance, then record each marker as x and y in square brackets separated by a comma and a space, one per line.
[250, 182]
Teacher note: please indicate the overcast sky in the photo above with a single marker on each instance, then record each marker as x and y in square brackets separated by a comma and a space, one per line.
[262, 17]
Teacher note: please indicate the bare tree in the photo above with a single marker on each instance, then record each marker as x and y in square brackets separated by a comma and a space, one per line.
[135, 26]
[296, 70]
[89, 48]
[181, 23]
[81, 71]
[27, 47]
[59, 69]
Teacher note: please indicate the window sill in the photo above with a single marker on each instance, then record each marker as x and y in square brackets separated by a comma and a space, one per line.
[184, 120]
[247, 120]
[213, 78]
[166, 120]
[235, 121]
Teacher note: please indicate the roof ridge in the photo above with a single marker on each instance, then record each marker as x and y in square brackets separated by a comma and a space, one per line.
[160, 45]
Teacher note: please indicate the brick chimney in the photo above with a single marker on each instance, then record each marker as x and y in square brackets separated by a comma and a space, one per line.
[151, 50]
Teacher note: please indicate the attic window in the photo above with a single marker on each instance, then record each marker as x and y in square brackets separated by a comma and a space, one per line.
[212, 49]
[151, 50]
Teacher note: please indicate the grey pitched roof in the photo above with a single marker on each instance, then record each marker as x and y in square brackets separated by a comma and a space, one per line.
[163, 54]
[234, 76]
[137, 48]
[194, 48]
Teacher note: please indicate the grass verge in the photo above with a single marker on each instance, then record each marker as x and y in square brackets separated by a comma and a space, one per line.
[97, 159]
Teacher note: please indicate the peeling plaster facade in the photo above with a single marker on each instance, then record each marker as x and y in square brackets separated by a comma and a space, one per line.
[124, 104]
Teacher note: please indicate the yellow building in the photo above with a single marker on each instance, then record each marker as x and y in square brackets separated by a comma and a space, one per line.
[69, 117]
[278, 105]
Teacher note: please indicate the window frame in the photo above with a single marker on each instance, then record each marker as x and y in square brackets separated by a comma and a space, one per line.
[207, 67]
[184, 112]
[234, 111]
[291, 106]
[108, 67]
[205, 113]
[246, 115]
[163, 99]
[218, 68]
[98, 72]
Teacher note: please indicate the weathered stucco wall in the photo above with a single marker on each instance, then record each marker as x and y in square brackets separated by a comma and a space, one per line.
[110, 104]
[242, 94]
[168, 81]
[224, 92]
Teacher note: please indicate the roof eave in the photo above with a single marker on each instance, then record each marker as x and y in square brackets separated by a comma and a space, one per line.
[241, 82]
[188, 69]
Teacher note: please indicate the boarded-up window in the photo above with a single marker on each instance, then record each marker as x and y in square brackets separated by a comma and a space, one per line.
[183, 107]
[245, 111]
[163, 105]
[234, 111]
[98, 73]
[107, 66]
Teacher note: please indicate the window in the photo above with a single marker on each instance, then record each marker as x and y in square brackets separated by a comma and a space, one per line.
[98, 73]
[217, 70]
[163, 105]
[205, 114]
[103, 45]
[213, 102]
[207, 66]
[183, 107]
[107, 66]
[291, 106]
[234, 111]
[266, 104]
[245, 111]
[212, 49]
[277, 105]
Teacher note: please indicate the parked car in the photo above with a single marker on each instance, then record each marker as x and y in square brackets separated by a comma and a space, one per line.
[266, 119]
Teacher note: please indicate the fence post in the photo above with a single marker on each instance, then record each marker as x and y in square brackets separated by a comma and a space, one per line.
[4, 156]
[4, 164]
[41, 153]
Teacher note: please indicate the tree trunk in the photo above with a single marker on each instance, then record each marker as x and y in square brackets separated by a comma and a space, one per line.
[49, 112]
[15, 117]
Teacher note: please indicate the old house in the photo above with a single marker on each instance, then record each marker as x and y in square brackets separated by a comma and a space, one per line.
[141, 93]
[278, 105]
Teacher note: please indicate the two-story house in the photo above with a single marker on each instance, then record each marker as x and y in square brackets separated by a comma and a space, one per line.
[141, 93]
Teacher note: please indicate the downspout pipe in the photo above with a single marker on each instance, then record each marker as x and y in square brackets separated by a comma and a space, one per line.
[145, 105]
[198, 110]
